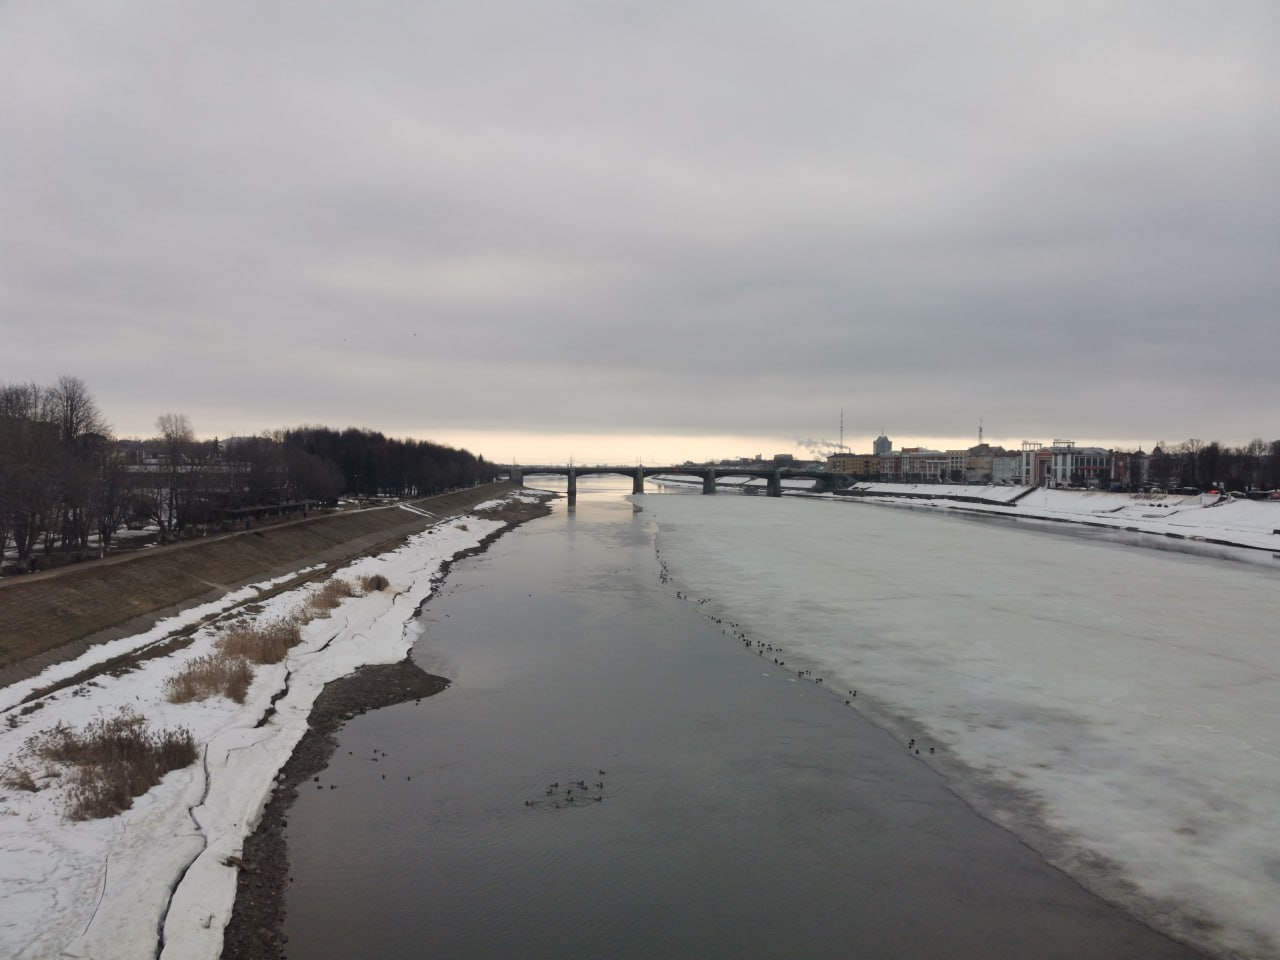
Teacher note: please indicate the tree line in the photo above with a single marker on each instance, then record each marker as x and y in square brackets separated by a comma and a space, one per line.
[1194, 463]
[67, 485]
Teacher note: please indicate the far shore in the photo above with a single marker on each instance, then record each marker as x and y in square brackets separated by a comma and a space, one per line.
[1213, 519]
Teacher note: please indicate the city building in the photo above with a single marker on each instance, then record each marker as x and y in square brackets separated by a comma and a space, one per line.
[1063, 464]
[841, 462]
[1006, 468]
[862, 465]
[921, 463]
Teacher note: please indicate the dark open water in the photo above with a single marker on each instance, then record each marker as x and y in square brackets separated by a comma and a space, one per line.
[744, 815]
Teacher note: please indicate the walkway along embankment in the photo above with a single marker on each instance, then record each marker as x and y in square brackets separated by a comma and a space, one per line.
[49, 619]
[915, 495]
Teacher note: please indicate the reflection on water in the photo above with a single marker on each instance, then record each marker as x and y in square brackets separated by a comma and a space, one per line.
[743, 813]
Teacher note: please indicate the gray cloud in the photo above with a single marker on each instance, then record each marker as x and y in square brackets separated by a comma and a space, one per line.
[692, 219]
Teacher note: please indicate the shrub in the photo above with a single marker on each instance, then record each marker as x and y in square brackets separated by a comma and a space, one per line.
[266, 642]
[373, 582]
[18, 778]
[328, 595]
[114, 760]
[217, 674]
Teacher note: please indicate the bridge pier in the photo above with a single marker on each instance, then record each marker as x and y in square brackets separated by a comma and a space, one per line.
[637, 483]
[517, 476]
[774, 484]
[573, 485]
[709, 480]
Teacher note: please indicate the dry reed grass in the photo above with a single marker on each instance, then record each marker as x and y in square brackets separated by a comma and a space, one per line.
[113, 761]
[214, 675]
[324, 598]
[18, 778]
[266, 642]
[373, 582]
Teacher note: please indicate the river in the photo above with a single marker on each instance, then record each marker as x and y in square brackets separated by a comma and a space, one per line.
[745, 810]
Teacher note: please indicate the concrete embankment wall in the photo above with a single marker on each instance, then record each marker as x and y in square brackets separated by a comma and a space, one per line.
[1004, 496]
[42, 616]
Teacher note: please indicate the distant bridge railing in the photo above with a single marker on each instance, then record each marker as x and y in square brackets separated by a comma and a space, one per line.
[710, 473]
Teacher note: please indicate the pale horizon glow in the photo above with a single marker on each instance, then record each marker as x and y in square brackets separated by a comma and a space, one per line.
[653, 449]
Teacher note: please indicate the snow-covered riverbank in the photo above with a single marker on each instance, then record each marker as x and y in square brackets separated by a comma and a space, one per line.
[1225, 520]
[103, 888]
[1211, 518]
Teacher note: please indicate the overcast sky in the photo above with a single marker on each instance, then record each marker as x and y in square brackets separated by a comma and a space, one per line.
[648, 229]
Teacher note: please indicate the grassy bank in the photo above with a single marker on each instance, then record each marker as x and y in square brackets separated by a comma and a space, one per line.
[48, 619]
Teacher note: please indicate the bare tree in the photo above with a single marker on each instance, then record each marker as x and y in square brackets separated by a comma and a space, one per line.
[28, 454]
[263, 473]
[1209, 462]
[312, 478]
[177, 441]
[1271, 472]
[175, 430]
[82, 433]
[75, 411]
[1189, 452]
[1254, 457]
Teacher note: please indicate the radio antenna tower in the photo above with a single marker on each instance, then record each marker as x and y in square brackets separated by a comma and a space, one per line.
[979, 431]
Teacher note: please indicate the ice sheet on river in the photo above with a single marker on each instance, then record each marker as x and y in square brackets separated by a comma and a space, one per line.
[1119, 706]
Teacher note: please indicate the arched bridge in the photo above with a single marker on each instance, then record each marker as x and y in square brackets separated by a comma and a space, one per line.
[773, 476]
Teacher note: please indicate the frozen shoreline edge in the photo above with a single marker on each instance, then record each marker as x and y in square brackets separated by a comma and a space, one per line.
[1021, 508]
